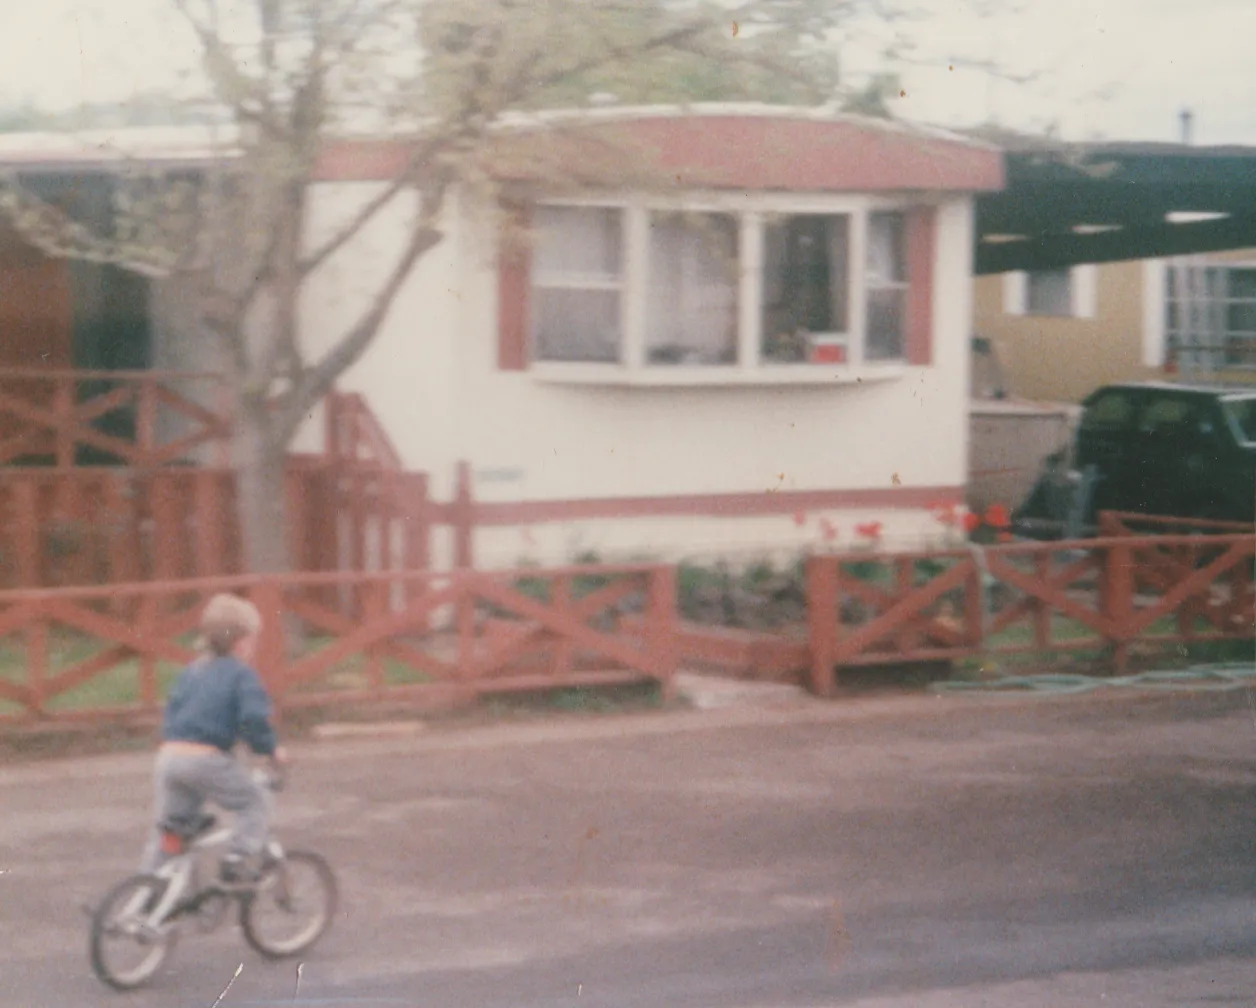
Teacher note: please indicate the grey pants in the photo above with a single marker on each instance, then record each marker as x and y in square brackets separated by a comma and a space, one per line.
[185, 781]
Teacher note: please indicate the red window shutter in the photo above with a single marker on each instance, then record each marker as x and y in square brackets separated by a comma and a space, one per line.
[514, 284]
[921, 245]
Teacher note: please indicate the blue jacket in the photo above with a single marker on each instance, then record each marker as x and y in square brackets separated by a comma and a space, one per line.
[219, 702]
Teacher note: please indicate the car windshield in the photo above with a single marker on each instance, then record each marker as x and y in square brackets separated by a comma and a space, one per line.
[1243, 410]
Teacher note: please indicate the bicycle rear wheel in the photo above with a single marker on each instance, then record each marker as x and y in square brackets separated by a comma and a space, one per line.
[126, 949]
[292, 907]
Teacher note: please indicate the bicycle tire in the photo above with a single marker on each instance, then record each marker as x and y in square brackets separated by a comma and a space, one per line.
[128, 889]
[250, 906]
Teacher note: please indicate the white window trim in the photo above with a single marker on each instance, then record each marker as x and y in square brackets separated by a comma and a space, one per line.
[1155, 304]
[1015, 292]
[1083, 283]
[751, 211]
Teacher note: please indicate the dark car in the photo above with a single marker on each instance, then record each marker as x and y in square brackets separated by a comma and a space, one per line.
[1162, 449]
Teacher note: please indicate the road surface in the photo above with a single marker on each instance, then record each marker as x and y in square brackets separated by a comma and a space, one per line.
[942, 853]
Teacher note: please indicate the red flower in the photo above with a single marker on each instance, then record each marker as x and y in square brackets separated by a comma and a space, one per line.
[869, 530]
[828, 530]
[800, 518]
[997, 517]
[1006, 537]
[945, 514]
[972, 521]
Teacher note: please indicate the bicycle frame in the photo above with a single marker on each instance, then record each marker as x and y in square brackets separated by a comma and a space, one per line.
[180, 873]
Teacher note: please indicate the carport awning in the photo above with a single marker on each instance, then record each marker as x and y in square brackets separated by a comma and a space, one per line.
[1107, 202]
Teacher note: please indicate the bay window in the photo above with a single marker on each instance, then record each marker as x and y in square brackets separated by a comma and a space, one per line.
[712, 291]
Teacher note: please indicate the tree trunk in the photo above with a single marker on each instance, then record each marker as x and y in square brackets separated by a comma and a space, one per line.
[260, 492]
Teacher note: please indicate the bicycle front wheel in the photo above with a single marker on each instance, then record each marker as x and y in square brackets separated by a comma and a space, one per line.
[292, 907]
[127, 948]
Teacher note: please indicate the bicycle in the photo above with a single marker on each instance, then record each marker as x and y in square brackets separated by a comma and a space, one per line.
[147, 910]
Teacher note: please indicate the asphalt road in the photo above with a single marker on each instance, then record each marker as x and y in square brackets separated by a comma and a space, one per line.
[917, 852]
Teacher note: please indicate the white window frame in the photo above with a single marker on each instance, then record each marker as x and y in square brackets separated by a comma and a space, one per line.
[587, 282]
[1083, 280]
[751, 211]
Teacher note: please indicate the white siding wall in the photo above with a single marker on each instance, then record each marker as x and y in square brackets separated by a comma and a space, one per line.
[408, 374]
[432, 379]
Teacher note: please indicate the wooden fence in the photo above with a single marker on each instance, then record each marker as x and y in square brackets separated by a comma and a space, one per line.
[415, 635]
[1108, 595]
[135, 513]
[93, 653]
[135, 418]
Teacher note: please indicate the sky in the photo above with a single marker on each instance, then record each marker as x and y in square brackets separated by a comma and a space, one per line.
[1114, 69]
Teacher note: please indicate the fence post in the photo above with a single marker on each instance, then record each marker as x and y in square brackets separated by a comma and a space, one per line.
[147, 619]
[662, 626]
[208, 520]
[415, 514]
[36, 663]
[463, 518]
[464, 621]
[272, 650]
[1118, 600]
[823, 617]
[975, 605]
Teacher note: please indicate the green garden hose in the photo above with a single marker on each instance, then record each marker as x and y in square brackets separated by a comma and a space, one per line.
[1212, 677]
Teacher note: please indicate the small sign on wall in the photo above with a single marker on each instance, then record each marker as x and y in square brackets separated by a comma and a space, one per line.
[499, 474]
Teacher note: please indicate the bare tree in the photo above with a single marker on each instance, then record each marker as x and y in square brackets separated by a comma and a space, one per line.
[437, 76]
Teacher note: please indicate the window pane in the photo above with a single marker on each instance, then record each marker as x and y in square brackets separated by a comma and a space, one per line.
[886, 259]
[578, 242]
[1049, 292]
[806, 286]
[886, 308]
[1241, 318]
[577, 325]
[1166, 413]
[691, 299]
[1243, 410]
[1109, 412]
[1243, 283]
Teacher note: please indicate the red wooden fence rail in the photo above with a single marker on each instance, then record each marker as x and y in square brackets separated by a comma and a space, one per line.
[136, 418]
[570, 627]
[1106, 594]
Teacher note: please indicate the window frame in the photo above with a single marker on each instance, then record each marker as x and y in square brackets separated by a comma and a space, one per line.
[1233, 349]
[564, 281]
[751, 211]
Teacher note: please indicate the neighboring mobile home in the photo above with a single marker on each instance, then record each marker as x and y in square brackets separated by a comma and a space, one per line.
[1060, 334]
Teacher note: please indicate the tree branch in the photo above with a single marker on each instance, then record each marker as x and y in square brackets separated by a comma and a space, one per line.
[405, 178]
[318, 379]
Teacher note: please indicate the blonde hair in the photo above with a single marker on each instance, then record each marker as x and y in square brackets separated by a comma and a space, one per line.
[226, 620]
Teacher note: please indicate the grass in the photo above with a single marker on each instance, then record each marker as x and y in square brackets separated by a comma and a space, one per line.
[119, 685]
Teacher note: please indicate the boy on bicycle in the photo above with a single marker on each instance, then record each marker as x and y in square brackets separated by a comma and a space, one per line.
[218, 702]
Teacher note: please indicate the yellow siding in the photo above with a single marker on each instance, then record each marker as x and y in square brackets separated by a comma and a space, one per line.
[1064, 359]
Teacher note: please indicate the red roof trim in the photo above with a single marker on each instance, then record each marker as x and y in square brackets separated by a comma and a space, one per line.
[752, 152]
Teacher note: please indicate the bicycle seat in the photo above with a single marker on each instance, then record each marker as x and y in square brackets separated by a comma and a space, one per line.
[191, 827]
